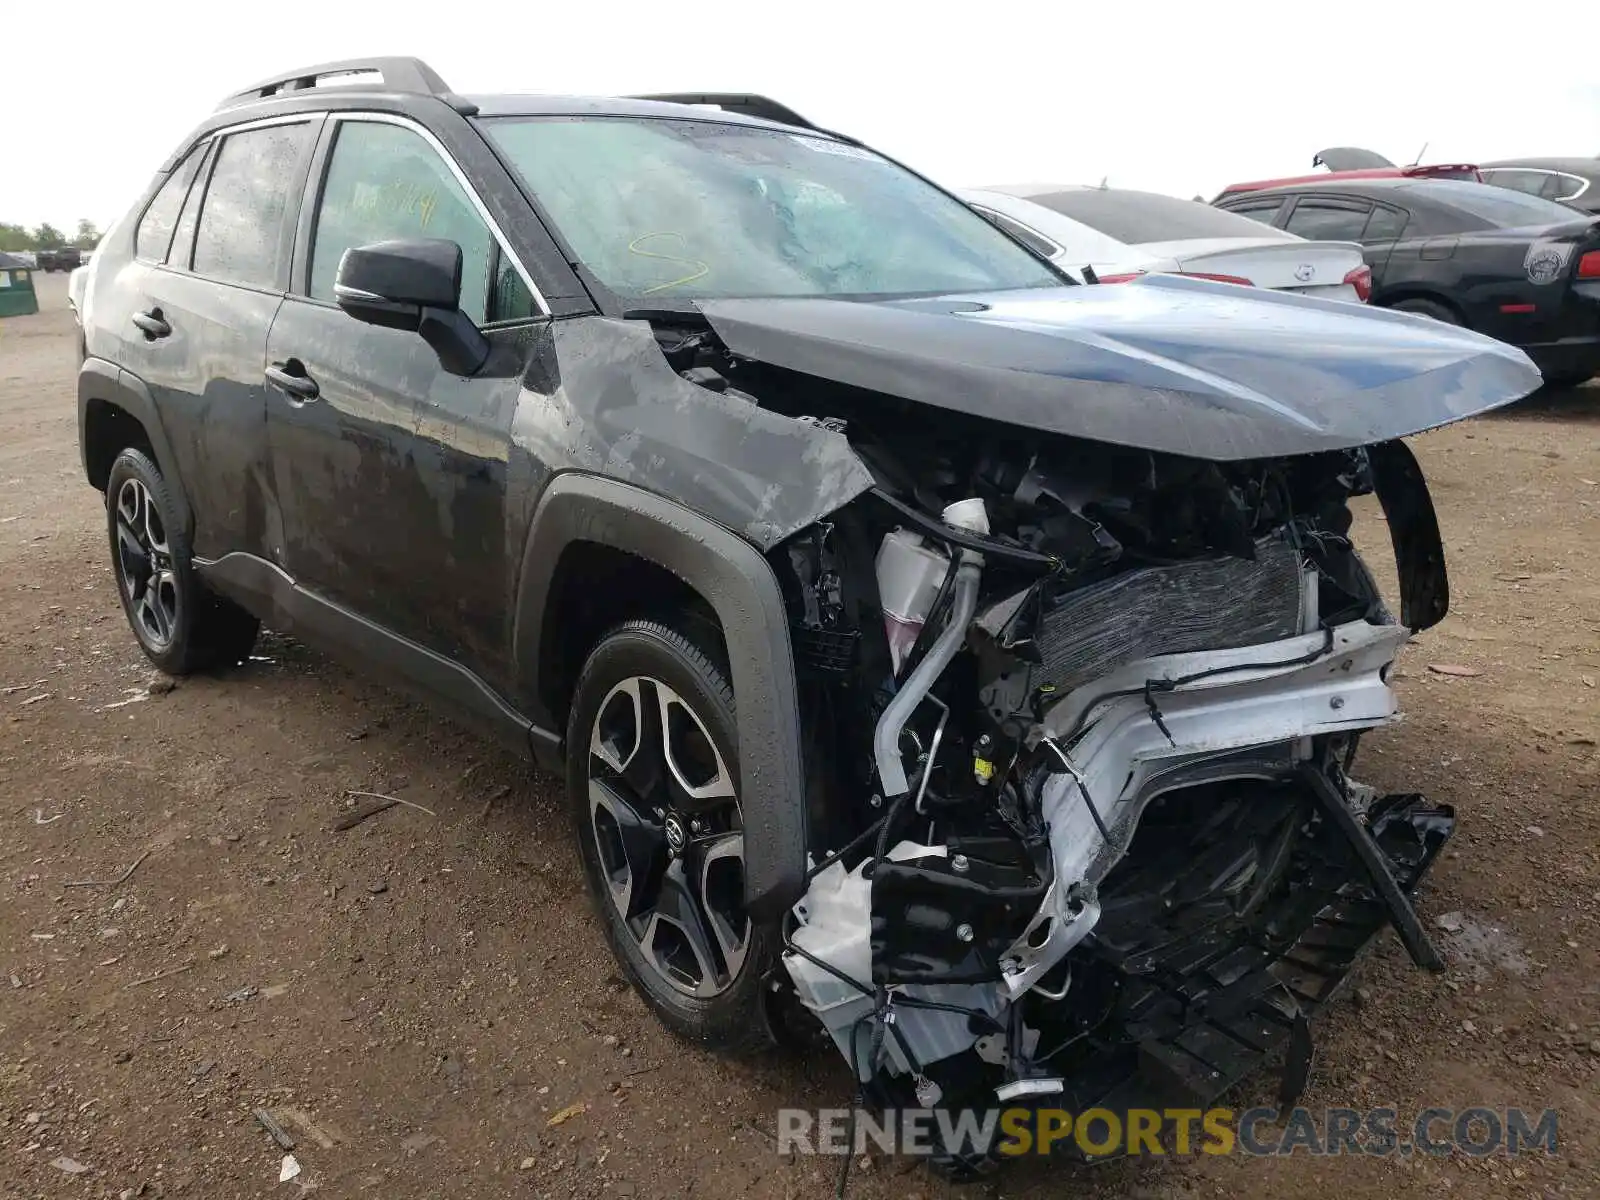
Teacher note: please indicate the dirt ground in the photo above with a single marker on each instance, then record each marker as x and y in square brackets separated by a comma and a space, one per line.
[418, 997]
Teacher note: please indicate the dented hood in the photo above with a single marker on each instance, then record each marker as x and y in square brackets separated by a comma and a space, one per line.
[1209, 370]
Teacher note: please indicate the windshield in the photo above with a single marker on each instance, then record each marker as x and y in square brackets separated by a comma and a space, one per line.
[1500, 208]
[1139, 218]
[666, 209]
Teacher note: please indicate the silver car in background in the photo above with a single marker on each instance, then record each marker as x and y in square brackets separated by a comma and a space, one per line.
[1120, 234]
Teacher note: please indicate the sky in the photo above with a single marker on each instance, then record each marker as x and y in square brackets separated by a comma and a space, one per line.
[1177, 98]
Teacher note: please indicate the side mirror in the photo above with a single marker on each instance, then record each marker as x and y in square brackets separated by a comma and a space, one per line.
[413, 284]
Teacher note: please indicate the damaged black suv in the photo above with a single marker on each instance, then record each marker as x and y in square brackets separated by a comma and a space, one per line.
[972, 660]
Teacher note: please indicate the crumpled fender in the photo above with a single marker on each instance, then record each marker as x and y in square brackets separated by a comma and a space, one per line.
[738, 583]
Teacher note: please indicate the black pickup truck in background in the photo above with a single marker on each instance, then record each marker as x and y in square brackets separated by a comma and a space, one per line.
[62, 258]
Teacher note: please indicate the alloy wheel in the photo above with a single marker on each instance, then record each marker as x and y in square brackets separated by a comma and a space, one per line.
[664, 814]
[144, 565]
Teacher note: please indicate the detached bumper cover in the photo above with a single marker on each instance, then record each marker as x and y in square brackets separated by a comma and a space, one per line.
[1221, 1007]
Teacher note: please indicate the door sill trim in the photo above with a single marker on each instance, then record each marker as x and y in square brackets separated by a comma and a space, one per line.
[267, 590]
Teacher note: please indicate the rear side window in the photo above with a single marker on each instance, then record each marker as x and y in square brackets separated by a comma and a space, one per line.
[242, 224]
[1561, 186]
[1531, 182]
[1328, 220]
[183, 240]
[1385, 225]
[1139, 218]
[1495, 207]
[154, 234]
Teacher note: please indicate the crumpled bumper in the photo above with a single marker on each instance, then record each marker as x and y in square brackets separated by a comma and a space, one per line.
[1215, 1009]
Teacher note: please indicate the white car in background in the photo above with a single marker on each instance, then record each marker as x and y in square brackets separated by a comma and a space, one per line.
[1121, 234]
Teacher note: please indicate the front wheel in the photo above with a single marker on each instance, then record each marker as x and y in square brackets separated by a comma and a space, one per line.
[652, 781]
[181, 626]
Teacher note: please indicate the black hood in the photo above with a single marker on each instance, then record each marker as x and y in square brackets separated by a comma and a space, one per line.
[1209, 370]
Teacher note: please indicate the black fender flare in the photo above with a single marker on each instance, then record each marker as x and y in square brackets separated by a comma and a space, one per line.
[106, 382]
[738, 583]
[1402, 491]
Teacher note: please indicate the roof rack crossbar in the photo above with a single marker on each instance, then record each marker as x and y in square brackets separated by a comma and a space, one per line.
[399, 75]
[745, 103]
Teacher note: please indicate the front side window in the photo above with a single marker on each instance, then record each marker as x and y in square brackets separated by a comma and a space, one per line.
[1328, 220]
[385, 181]
[154, 232]
[665, 211]
[242, 225]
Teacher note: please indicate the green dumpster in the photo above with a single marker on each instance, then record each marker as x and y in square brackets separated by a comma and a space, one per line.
[16, 287]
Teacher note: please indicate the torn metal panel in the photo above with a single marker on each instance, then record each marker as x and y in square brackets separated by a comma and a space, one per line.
[613, 405]
[1242, 713]
[1207, 370]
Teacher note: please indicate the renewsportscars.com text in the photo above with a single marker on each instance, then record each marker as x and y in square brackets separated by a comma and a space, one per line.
[1099, 1132]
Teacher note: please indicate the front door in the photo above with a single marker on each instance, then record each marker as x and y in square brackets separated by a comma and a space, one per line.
[392, 471]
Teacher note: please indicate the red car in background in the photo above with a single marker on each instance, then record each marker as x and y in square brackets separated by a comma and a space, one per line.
[1350, 162]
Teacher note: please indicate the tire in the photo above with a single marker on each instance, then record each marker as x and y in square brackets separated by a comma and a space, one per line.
[680, 807]
[181, 626]
[1429, 308]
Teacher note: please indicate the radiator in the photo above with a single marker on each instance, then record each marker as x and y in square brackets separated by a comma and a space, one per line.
[1212, 604]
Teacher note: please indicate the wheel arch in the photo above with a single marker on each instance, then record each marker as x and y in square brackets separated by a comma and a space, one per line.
[116, 411]
[1389, 297]
[588, 515]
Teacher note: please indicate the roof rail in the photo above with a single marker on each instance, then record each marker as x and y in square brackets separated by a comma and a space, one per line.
[744, 103]
[399, 75]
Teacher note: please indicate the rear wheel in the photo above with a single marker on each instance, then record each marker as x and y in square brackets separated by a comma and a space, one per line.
[1428, 308]
[652, 780]
[181, 626]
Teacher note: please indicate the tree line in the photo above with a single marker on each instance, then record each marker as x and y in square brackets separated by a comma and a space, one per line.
[47, 236]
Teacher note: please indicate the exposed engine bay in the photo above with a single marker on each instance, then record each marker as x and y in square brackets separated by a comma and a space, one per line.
[1080, 721]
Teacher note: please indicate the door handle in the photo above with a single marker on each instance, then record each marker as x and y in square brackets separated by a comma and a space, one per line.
[291, 379]
[153, 324]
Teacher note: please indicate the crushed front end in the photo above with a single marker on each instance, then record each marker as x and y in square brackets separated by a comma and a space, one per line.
[1082, 726]
[1084, 655]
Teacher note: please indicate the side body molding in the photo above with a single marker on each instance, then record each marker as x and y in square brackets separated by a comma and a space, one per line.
[733, 577]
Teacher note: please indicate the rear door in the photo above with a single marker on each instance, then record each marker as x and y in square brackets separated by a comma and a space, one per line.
[391, 470]
[212, 258]
[1386, 225]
